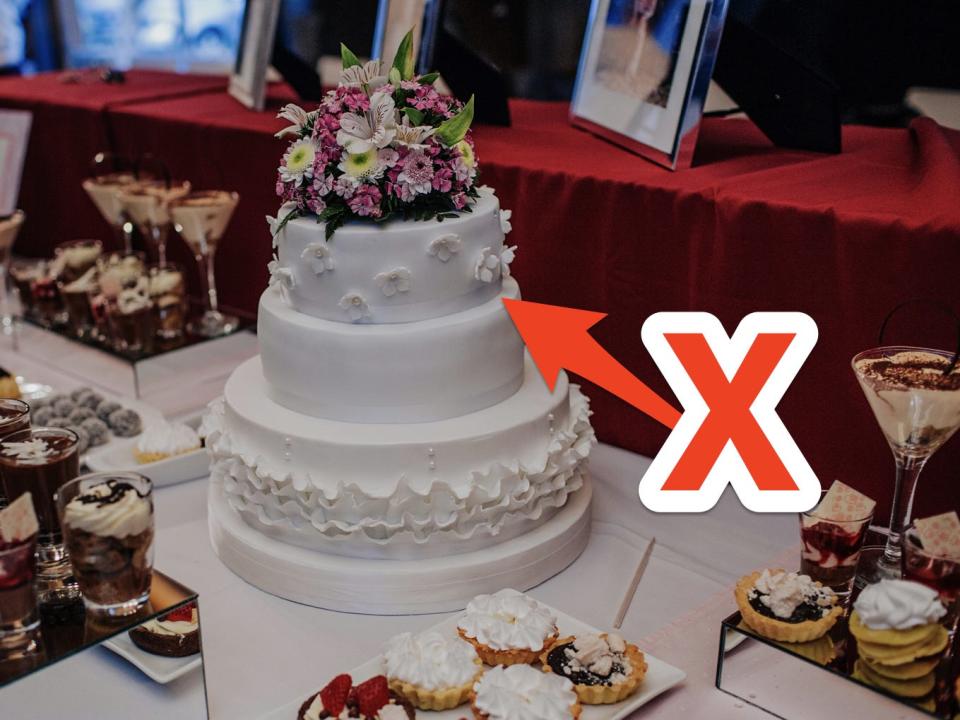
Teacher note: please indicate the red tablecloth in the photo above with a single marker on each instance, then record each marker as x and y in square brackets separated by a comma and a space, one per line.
[69, 128]
[749, 227]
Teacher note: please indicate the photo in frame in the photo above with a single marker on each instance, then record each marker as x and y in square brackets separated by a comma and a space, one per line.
[14, 135]
[248, 82]
[644, 71]
[396, 17]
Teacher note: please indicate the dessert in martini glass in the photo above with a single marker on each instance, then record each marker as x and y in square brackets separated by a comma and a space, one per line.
[915, 396]
[104, 191]
[148, 204]
[201, 219]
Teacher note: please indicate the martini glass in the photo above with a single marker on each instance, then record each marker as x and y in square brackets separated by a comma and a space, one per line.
[9, 229]
[915, 396]
[201, 219]
[104, 191]
[147, 203]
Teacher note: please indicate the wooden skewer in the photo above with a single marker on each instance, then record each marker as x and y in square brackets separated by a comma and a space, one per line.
[632, 590]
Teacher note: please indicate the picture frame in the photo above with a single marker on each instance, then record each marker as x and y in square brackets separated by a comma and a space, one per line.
[396, 17]
[644, 71]
[248, 81]
[14, 136]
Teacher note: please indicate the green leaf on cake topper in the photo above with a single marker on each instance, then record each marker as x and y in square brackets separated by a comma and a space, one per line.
[429, 78]
[348, 58]
[394, 77]
[403, 60]
[416, 116]
[455, 129]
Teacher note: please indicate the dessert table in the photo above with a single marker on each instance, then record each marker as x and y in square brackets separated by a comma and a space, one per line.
[749, 227]
[261, 652]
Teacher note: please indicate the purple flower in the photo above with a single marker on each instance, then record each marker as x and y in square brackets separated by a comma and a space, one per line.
[323, 184]
[366, 201]
[345, 187]
[417, 174]
[460, 200]
[443, 179]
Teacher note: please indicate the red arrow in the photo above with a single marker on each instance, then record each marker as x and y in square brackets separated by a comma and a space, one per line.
[559, 337]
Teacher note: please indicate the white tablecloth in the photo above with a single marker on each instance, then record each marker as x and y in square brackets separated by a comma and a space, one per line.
[260, 652]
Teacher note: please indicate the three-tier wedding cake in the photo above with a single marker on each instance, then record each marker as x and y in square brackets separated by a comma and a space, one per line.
[393, 448]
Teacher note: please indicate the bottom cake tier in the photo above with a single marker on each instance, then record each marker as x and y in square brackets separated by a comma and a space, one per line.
[392, 491]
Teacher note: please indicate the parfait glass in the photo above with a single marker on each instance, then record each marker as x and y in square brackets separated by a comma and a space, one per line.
[9, 229]
[104, 190]
[201, 219]
[915, 396]
[939, 572]
[147, 203]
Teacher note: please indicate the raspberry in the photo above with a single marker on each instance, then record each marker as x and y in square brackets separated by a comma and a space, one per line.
[334, 695]
[181, 614]
[373, 695]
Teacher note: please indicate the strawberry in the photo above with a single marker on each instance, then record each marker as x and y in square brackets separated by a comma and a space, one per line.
[373, 695]
[334, 695]
[181, 614]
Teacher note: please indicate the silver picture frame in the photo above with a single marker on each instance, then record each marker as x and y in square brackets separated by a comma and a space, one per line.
[644, 71]
[248, 81]
[395, 18]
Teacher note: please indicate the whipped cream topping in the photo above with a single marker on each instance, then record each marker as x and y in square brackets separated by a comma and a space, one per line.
[521, 692]
[85, 283]
[110, 509]
[430, 660]
[168, 438]
[387, 712]
[164, 282]
[116, 272]
[76, 256]
[898, 605]
[136, 298]
[508, 620]
[28, 452]
[597, 654]
[784, 592]
[167, 627]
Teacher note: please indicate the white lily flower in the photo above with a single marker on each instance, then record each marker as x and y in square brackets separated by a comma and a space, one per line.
[375, 128]
[370, 74]
[295, 115]
[413, 136]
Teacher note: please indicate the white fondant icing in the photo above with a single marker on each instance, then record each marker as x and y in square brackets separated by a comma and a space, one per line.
[363, 249]
[414, 372]
[368, 484]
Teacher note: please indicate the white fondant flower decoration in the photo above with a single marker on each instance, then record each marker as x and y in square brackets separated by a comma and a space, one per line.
[298, 161]
[445, 247]
[318, 257]
[355, 306]
[488, 266]
[280, 275]
[394, 281]
[275, 222]
[370, 74]
[296, 116]
[413, 136]
[375, 128]
[507, 256]
[505, 224]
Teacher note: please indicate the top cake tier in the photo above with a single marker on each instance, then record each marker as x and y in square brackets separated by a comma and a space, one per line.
[398, 271]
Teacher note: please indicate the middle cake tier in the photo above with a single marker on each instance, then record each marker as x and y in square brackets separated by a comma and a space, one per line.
[414, 372]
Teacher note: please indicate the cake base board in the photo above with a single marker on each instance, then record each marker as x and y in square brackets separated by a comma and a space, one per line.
[398, 587]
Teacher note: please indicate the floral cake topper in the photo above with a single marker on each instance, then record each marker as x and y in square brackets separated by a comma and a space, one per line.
[384, 144]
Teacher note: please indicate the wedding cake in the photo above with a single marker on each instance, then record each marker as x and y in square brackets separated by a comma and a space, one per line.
[393, 448]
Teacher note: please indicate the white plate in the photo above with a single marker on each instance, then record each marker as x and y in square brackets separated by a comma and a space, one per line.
[156, 667]
[117, 456]
[660, 678]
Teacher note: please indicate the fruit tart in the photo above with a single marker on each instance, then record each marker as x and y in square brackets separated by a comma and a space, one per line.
[786, 606]
[603, 668]
[369, 700]
[176, 634]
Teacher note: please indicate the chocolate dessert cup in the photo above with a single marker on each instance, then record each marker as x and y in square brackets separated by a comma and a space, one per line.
[40, 461]
[107, 520]
[14, 416]
[76, 257]
[169, 294]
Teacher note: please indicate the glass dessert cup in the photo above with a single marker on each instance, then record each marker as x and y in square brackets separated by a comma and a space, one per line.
[937, 572]
[9, 229]
[917, 406]
[107, 521]
[19, 618]
[104, 191]
[201, 219]
[40, 461]
[133, 324]
[168, 291]
[47, 303]
[147, 203]
[24, 273]
[14, 416]
[830, 549]
[76, 257]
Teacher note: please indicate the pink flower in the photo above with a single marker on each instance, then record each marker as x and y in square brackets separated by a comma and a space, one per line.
[460, 200]
[366, 201]
[417, 174]
[344, 187]
[442, 179]
[323, 184]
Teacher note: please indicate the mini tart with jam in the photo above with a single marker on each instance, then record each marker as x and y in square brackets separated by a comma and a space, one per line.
[604, 669]
[370, 700]
[176, 634]
[786, 606]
